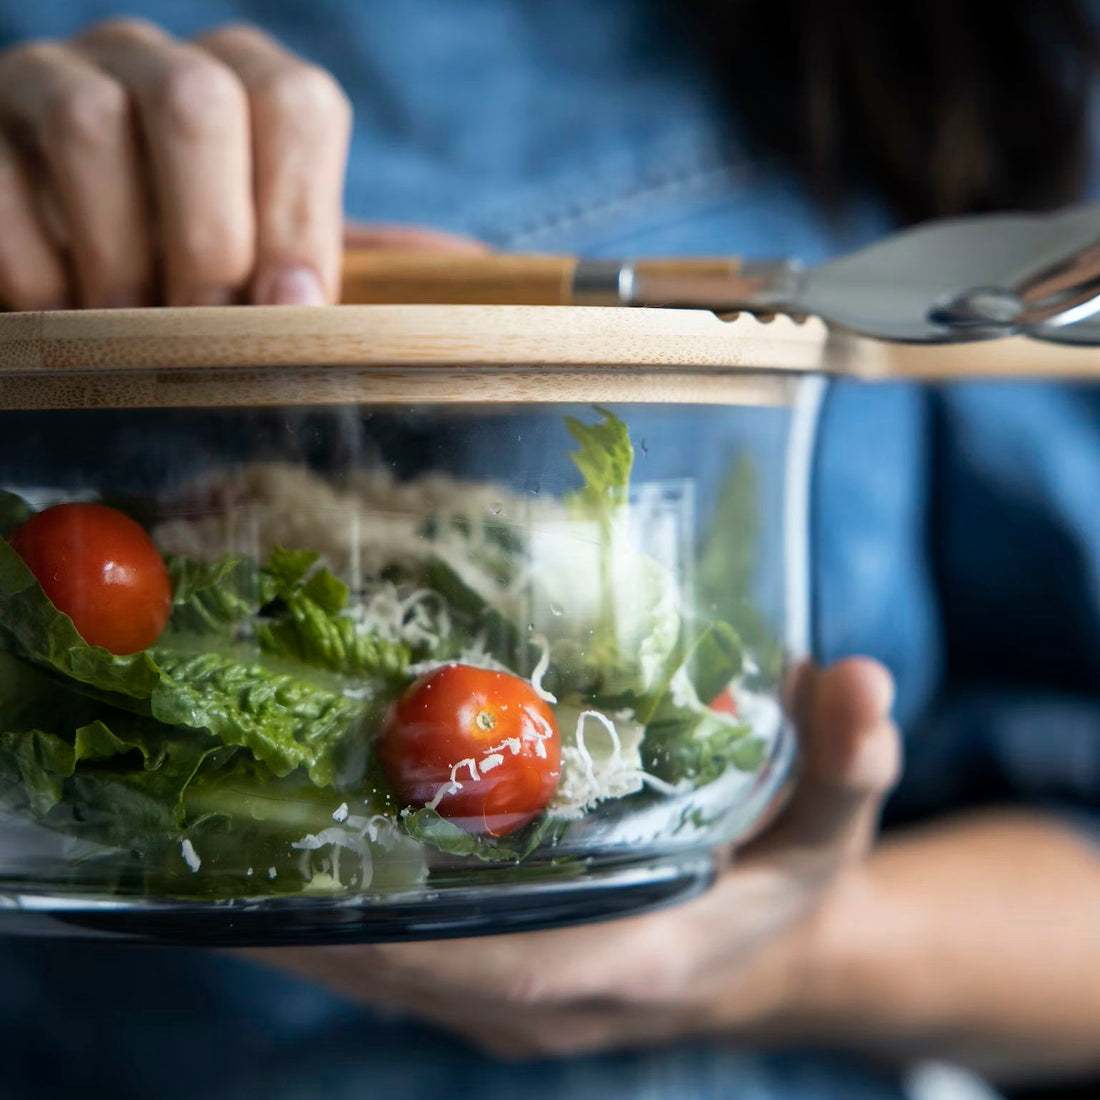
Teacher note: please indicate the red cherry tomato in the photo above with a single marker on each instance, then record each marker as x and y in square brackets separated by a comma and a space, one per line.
[102, 570]
[479, 747]
[725, 702]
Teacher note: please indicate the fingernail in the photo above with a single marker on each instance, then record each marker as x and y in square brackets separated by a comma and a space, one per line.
[295, 286]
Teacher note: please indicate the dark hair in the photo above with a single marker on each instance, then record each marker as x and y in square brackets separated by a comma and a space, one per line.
[940, 106]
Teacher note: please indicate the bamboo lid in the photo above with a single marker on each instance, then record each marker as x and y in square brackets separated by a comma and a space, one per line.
[393, 354]
[385, 354]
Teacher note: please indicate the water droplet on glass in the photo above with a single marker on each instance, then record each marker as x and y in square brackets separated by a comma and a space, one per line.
[556, 608]
[496, 507]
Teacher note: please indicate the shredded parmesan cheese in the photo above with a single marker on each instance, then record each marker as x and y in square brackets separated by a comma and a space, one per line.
[537, 730]
[453, 786]
[540, 670]
[662, 786]
[190, 856]
[595, 770]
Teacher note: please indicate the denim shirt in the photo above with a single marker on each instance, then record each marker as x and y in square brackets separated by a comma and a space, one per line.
[956, 533]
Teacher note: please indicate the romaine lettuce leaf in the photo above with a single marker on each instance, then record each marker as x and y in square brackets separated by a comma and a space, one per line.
[47, 636]
[288, 568]
[13, 511]
[283, 721]
[707, 657]
[85, 770]
[604, 458]
[41, 762]
[478, 619]
[212, 597]
[301, 607]
[310, 628]
[699, 746]
[429, 827]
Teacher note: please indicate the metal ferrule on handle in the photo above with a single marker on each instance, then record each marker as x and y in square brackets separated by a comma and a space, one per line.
[720, 284]
[723, 285]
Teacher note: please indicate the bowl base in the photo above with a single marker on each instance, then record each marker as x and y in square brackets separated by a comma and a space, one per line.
[451, 912]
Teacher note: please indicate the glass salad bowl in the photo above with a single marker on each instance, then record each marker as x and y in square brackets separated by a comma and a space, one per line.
[390, 622]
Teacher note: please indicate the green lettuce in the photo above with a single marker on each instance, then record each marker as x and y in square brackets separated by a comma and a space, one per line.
[115, 782]
[291, 608]
[604, 458]
[699, 746]
[14, 510]
[676, 666]
[283, 721]
[289, 568]
[213, 597]
[429, 827]
[310, 624]
[47, 636]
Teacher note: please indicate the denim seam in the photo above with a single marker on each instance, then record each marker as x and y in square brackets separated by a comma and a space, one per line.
[688, 182]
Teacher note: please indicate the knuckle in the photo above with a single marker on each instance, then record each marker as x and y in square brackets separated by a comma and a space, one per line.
[23, 288]
[126, 28]
[204, 252]
[32, 56]
[108, 272]
[195, 97]
[308, 92]
[85, 113]
[236, 37]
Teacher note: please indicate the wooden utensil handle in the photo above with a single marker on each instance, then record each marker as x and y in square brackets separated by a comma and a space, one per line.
[443, 278]
[380, 277]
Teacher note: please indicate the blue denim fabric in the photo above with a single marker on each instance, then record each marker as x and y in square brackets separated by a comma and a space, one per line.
[954, 536]
[120, 1022]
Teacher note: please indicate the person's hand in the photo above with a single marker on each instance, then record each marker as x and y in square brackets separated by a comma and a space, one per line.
[136, 168]
[736, 961]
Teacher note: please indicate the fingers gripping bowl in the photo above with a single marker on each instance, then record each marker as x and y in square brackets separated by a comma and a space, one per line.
[387, 622]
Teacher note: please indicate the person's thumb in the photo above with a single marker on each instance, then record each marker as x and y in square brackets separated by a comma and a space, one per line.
[851, 756]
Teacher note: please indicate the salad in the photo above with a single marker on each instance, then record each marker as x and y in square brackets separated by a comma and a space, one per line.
[449, 689]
